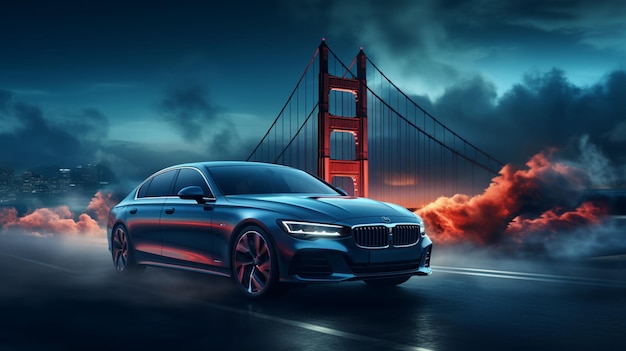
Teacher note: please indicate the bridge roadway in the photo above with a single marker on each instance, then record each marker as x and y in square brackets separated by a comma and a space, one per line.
[64, 295]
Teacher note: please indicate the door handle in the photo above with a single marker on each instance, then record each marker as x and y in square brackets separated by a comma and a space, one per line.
[169, 210]
[133, 211]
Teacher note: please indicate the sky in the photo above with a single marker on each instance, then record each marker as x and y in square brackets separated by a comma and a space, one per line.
[143, 85]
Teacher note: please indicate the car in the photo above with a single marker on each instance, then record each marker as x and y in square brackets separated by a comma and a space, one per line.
[267, 226]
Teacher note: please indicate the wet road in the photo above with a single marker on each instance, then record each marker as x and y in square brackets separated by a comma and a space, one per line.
[64, 294]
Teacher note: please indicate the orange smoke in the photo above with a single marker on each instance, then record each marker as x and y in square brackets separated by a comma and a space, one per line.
[47, 222]
[100, 205]
[542, 196]
[58, 220]
[7, 215]
[556, 220]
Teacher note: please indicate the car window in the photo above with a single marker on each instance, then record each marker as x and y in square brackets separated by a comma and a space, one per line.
[144, 188]
[161, 184]
[240, 180]
[188, 177]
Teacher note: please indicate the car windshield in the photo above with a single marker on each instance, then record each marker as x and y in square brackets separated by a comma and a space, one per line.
[255, 179]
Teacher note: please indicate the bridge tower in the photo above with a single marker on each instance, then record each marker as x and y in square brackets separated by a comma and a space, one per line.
[328, 168]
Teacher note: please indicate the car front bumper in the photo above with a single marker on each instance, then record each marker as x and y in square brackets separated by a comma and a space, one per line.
[336, 260]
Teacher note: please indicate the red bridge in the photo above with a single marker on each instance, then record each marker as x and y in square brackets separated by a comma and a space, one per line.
[408, 157]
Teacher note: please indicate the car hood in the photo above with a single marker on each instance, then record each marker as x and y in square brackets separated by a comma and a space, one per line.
[328, 208]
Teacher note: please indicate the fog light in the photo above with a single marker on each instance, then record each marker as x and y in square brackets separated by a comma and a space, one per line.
[427, 258]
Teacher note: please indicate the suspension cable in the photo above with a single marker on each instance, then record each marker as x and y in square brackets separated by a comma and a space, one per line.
[286, 103]
[297, 132]
[431, 116]
[429, 136]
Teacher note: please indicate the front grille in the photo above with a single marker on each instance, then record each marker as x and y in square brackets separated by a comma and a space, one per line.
[406, 235]
[377, 236]
[371, 236]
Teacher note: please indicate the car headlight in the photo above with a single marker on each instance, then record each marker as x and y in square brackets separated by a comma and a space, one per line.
[308, 229]
[421, 224]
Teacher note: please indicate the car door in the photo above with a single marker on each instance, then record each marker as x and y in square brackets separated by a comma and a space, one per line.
[186, 224]
[144, 214]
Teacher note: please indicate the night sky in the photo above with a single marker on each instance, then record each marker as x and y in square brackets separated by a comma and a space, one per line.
[143, 85]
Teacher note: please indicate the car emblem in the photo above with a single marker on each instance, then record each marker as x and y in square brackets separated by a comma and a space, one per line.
[385, 219]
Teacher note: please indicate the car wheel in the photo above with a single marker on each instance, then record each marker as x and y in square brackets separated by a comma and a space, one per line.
[386, 282]
[254, 266]
[122, 252]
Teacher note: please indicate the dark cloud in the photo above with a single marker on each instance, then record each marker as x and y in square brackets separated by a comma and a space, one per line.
[474, 98]
[429, 45]
[34, 139]
[598, 24]
[190, 110]
[445, 19]
[37, 141]
[544, 110]
[89, 123]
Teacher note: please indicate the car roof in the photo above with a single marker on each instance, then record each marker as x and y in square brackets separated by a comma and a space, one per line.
[213, 164]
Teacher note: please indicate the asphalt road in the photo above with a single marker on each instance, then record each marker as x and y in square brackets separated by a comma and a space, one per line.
[65, 295]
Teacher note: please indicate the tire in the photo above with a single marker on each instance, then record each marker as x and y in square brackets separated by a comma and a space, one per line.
[386, 282]
[122, 252]
[254, 264]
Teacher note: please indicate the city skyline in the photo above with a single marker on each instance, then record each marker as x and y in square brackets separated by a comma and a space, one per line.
[26, 191]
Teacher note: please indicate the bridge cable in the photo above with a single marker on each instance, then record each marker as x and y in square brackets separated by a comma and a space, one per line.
[286, 103]
[297, 132]
[431, 116]
[428, 135]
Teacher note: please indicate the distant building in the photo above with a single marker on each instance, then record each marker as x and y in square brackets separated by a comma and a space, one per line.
[7, 191]
[53, 182]
[85, 177]
[6, 176]
[33, 183]
[64, 181]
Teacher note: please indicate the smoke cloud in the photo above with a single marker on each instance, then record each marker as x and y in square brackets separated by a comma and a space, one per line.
[533, 204]
[60, 221]
[100, 205]
[46, 222]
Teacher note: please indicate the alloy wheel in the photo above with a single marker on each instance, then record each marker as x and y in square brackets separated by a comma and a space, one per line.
[253, 263]
[120, 249]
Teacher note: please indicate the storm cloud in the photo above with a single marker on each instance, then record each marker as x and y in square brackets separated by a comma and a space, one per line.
[544, 110]
[188, 108]
[35, 138]
[429, 45]
[29, 138]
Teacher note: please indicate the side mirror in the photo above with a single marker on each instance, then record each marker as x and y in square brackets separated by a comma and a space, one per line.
[192, 193]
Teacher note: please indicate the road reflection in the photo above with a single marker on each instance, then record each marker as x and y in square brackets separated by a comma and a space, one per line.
[394, 318]
[472, 302]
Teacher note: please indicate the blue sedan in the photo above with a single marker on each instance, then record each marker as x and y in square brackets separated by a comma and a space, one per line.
[267, 226]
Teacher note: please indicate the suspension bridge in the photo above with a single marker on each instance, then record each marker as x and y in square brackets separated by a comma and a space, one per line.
[353, 127]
